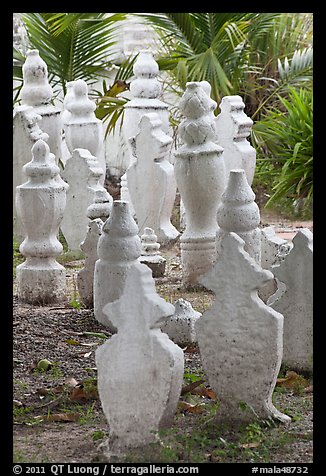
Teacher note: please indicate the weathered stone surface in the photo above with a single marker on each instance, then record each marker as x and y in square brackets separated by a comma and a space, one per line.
[37, 92]
[233, 127]
[200, 175]
[296, 302]
[239, 213]
[180, 327]
[26, 133]
[83, 173]
[153, 202]
[140, 370]
[40, 203]
[119, 248]
[239, 337]
[273, 251]
[150, 254]
[82, 128]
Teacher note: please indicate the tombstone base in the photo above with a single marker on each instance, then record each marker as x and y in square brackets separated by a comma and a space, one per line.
[197, 258]
[156, 263]
[238, 413]
[41, 283]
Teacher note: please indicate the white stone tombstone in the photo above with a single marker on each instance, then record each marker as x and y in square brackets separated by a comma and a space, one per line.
[83, 173]
[180, 327]
[200, 175]
[239, 213]
[150, 254]
[239, 337]
[82, 128]
[65, 116]
[296, 303]
[140, 370]
[40, 204]
[233, 127]
[119, 248]
[151, 182]
[37, 92]
[273, 251]
[25, 134]
[97, 212]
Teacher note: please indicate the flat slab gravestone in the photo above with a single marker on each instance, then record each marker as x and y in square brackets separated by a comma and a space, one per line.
[296, 302]
[239, 337]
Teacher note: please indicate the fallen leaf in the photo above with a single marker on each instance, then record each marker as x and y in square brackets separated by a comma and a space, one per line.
[82, 393]
[100, 335]
[205, 392]
[87, 354]
[190, 408]
[250, 445]
[71, 381]
[292, 380]
[191, 386]
[75, 342]
[17, 403]
[62, 417]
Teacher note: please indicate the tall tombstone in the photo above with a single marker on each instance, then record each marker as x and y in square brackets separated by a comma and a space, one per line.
[98, 212]
[40, 203]
[65, 116]
[83, 174]
[239, 337]
[233, 127]
[25, 134]
[239, 213]
[296, 302]
[119, 248]
[82, 128]
[200, 176]
[145, 90]
[151, 182]
[37, 92]
[140, 370]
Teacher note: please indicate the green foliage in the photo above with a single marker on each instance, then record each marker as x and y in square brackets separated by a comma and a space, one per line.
[284, 138]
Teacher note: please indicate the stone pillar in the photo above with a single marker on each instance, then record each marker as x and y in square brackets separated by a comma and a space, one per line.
[98, 212]
[82, 129]
[239, 213]
[151, 182]
[83, 173]
[150, 254]
[119, 248]
[239, 337]
[296, 302]
[145, 91]
[37, 92]
[140, 370]
[233, 127]
[40, 204]
[200, 175]
[26, 133]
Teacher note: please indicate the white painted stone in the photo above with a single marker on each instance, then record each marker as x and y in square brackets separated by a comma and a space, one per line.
[83, 130]
[200, 175]
[145, 90]
[150, 254]
[239, 337]
[239, 213]
[233, 127]
[181, 326]
[97, 212]
[273, 251]
[151, 182]
[83, 173]
[69, 97]
[118, 249]
[140, 370]
[40, 203]
[37, 92]
[25, 134]
[296, 302]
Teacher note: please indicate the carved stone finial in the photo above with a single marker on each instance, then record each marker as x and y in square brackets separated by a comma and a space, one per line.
[150, 254]
[36, 90]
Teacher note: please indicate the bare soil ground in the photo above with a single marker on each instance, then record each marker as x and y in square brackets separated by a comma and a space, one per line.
[57, 412]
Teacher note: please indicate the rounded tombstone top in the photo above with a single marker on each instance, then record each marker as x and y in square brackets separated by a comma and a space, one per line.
[42, 164]
[146, 84]
[36, 90]
[101, 207]
[150, 246]
[195, 101]
[145, 65]
[80, 105]
[119, 241]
